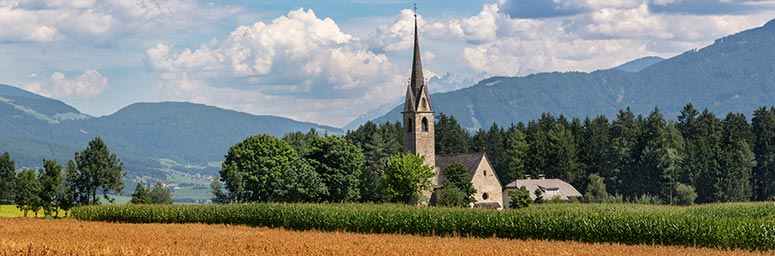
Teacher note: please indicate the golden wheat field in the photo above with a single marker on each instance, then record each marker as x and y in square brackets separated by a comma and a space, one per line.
[28, 236]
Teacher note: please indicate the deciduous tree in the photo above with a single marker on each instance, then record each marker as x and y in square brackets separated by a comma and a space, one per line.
[406, 178]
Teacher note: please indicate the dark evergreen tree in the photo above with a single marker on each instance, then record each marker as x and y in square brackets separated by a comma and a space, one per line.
[738, 159]
[709, 131]
[595, 147]
[624, 135]
[563, 156]
[514, 157]
[763, 123]
[450, 137]
[7, 177]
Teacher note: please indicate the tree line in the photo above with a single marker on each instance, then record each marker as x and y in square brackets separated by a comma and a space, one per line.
[53, 188]
[697, 158]
[723, 160]
[308, 167]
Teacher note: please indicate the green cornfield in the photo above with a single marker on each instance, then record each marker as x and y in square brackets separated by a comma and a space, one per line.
[748, 226]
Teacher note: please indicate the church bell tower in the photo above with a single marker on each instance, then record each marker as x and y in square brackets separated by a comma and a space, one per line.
[418, 114]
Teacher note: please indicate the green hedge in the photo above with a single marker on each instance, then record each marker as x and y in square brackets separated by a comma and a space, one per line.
[715, 226]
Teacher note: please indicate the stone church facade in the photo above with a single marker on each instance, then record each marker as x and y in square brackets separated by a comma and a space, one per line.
[419, 138]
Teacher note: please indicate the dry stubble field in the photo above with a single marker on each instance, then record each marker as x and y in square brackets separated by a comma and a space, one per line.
[29, 236]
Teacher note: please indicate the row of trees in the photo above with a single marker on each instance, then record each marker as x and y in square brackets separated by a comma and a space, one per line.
[312, 168]
[54, 188]
[721, 160]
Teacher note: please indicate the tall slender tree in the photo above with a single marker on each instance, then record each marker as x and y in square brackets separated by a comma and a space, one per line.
[763, 123]
[7, 177]
[624, 134]
[52, 187]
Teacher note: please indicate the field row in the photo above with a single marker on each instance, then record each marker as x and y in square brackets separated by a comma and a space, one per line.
[743, 226]
[27, 236]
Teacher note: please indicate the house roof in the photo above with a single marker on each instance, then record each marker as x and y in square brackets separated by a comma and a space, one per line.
[470, 161]
[550, 187]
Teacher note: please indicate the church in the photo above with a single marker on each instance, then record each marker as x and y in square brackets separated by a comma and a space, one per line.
[419, 138]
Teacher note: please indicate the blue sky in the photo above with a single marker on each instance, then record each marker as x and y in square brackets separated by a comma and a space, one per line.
[330, 61]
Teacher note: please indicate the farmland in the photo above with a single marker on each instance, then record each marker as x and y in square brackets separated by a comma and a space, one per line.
[743, 225]
[29, 236]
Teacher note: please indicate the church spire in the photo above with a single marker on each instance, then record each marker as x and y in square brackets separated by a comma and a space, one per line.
[417, 96]
[417, 83]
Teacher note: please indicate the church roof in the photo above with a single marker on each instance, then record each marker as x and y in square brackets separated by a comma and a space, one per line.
[470, 161]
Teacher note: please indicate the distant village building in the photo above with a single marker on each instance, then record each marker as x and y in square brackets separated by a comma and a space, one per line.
[419, 138]
[550, 188]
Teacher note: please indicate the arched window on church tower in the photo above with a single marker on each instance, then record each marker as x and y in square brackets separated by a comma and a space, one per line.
[409, 124]
[425, 124]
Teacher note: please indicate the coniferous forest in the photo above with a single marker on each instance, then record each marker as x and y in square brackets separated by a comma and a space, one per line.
[721, 159]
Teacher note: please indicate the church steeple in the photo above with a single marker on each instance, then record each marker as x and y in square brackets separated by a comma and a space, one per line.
[418, 120]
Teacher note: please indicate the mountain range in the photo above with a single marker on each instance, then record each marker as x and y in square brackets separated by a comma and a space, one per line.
[145, 136]
[734, 74]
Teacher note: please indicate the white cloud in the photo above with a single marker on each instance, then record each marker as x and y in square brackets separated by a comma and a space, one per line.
[86, 85]
[298, 65]
[99, 22]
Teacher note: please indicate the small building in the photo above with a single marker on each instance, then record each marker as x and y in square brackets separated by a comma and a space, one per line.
[550, 188]
[483, 178]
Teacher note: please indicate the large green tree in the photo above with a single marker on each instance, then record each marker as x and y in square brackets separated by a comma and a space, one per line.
[406, 179]
[98, 171]
[27, 192]
[339, 163]
[252, 166]
[7, 176]
[52, 187]
[300, 183]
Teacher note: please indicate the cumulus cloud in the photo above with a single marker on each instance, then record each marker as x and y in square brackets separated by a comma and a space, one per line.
[99, 22]
[584, 35]
[86, 85]
[298, 59]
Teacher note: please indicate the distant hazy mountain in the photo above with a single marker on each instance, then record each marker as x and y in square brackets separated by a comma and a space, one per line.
[35, 127]
[736, 73]
[639, 64]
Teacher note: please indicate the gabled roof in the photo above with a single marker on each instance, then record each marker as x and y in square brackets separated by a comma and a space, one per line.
[470, 161]
[550, 187]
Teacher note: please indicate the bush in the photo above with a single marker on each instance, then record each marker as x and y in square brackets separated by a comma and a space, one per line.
[451, 196]
[520, 198]
[685, 194]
